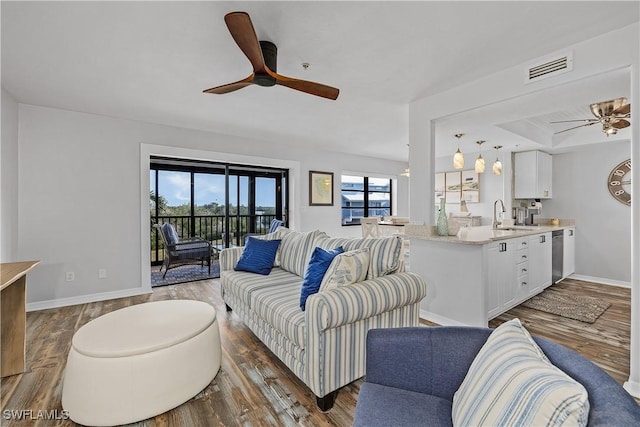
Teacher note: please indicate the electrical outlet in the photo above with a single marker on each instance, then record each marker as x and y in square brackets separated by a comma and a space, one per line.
[70, 276]
[102, 273]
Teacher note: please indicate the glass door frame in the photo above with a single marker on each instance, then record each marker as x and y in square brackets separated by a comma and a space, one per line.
[281, 177]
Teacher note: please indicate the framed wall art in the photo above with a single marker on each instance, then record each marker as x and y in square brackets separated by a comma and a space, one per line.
[320, 188]
[457, 185]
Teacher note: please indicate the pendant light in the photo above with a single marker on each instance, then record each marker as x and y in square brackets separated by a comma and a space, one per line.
[480, 161]
[458, 158]
[497, 166]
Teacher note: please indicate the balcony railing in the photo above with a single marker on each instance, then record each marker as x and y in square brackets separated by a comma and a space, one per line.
[209, 227]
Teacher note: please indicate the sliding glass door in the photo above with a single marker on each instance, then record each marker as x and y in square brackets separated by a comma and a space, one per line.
[214, 201]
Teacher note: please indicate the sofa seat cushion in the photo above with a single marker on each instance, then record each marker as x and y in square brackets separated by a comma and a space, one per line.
[279, 306]
[241, 284]
[380, 405]
[384, 252]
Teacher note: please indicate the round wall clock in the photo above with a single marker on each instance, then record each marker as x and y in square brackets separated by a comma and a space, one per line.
[619, 182]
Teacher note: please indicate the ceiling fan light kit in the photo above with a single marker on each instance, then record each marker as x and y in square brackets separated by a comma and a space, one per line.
[263, 56]
[612, 115]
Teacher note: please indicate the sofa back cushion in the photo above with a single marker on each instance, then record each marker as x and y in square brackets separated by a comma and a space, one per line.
[296, 249]
[384, 252]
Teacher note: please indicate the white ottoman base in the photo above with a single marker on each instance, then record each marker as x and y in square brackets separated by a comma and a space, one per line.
[120, 390]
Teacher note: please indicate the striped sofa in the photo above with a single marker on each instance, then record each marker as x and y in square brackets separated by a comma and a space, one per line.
[325, 344]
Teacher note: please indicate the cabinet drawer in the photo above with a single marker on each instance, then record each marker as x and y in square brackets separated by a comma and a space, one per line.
[522, 268]
[523, 280]
[522, 256]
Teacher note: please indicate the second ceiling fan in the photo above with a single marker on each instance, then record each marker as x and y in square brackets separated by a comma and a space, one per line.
[611, 114]
[263, 58]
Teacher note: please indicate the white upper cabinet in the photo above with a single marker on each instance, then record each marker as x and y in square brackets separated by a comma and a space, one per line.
[532, 175]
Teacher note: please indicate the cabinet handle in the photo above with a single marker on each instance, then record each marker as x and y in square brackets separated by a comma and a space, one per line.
[524, 283]
[524, 270]
[570, 232]
[543, 239]
[524, 257]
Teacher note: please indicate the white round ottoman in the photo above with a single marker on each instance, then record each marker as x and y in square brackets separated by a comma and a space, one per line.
[140, 361]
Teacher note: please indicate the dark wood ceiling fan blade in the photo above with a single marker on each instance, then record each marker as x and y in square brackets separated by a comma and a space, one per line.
[306, 86]
[242, 31]
[622, 111]
[620, 124]
[575, 127]
[219, 90]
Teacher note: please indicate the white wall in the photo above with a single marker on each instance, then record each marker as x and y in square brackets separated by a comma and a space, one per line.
[603, 238]
[80, 195]
[9, 179]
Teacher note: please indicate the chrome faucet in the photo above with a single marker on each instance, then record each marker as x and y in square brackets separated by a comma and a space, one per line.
[495, 222]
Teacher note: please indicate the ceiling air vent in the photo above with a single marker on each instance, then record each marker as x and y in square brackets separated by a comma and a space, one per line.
[549, 68]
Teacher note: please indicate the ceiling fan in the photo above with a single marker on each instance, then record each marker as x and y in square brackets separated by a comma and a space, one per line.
[263, 57]
[611, 114]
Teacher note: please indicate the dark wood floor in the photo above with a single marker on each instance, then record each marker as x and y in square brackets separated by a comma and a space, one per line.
[253, 388]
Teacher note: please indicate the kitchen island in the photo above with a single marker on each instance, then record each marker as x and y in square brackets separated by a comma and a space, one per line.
[482, 272]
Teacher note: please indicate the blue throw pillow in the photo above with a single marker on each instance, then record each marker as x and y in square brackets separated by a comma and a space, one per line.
[318, 265]
[258, 256]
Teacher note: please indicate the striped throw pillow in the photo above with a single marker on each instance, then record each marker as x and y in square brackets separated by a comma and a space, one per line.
[346, 269]
[511, 382]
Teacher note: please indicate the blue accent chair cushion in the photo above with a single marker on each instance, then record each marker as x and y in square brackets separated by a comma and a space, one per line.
[170, 233]
[317, 267]
[258, 256]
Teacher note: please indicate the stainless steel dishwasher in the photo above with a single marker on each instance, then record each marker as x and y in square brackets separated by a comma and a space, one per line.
[557, 247]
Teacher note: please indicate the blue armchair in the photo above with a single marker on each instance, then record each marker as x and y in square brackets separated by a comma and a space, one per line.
[413, 373]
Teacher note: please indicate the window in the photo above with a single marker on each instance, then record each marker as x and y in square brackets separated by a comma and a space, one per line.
[364, 196]
[219, 202]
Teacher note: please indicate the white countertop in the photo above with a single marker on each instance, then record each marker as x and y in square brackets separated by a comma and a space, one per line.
[479, 235]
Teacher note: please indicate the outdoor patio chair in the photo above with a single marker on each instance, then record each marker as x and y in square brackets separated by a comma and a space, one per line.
[178, 252]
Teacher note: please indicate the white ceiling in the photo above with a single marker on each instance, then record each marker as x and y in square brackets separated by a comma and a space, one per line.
[150, 61]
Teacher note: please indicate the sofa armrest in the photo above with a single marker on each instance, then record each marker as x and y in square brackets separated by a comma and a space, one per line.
[229, 257]
[430, 360]
[348, 304]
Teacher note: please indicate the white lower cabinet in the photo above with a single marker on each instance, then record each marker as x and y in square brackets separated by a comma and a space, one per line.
[540, 262]
[516, 270]
[501, 291]
[569, 252]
